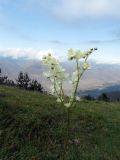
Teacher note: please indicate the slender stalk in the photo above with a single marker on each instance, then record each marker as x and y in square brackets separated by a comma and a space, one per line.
[62, 90]
[66, 142]
[68, 124]
[78, 79]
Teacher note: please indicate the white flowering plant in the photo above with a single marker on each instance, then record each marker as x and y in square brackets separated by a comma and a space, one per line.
[57, 76]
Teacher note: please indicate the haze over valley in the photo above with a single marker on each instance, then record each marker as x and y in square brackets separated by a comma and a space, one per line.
[101, 77]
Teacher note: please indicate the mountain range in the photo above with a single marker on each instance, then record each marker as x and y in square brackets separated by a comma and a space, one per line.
[99, 77]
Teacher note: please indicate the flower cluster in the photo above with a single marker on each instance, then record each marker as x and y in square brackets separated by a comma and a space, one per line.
[56, 71]
[57, 75]
[77, 54]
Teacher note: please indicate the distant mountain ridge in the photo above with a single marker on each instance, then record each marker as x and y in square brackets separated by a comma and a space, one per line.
[113, 92]
[99, 77]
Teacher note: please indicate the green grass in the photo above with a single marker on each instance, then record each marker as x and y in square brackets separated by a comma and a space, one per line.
[33, 127]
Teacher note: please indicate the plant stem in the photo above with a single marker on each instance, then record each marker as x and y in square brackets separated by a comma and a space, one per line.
[78, 79]
[67, 136]
[68, 124]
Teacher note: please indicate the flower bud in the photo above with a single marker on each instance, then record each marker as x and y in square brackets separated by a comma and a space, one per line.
[52, 68]
[49, 54]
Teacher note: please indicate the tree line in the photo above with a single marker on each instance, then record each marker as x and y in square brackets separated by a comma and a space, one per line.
[23, 81]
[102, 97]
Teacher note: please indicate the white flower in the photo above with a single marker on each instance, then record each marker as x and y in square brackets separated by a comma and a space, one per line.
[46, 74]
[82, 55]
[71, 54]
[77, 98]
[52, 80]
[58, 100]
[67, 105]
[58, 88]
[85, 66]
[57, 74]
[77, 55]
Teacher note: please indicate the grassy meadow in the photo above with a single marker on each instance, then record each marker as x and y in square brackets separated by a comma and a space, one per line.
[33, 127]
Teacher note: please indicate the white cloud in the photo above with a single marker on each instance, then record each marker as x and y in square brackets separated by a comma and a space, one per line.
[73, 10]
[32, 54]
[78, 9]
[24, 53]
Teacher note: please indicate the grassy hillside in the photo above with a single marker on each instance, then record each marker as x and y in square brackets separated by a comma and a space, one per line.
[33, 127]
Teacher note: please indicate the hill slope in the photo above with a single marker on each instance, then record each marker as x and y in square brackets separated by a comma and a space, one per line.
[33, 127]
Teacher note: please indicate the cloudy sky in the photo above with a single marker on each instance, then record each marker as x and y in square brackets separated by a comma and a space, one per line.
[30, 28]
